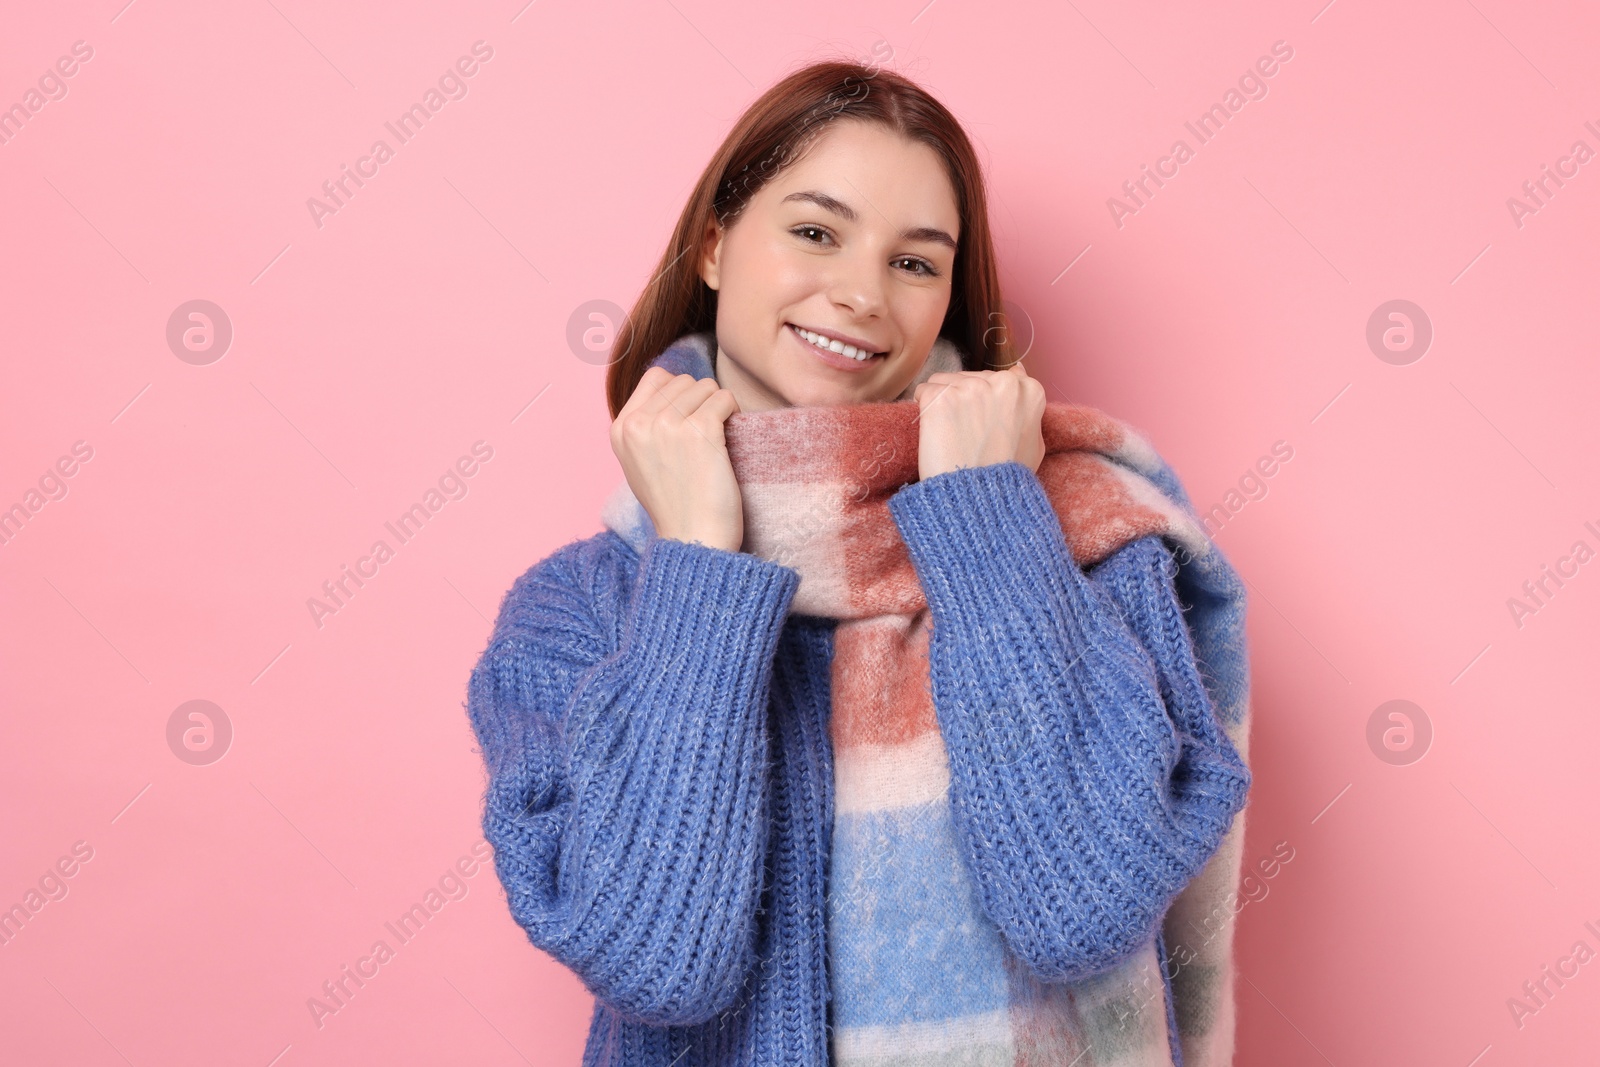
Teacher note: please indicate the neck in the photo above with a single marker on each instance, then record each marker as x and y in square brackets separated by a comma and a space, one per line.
[752, 394]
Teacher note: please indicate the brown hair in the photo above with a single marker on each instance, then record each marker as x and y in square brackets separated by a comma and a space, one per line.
[772, 133]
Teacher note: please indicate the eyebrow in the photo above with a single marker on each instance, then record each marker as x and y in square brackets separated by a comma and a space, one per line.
[848, 213]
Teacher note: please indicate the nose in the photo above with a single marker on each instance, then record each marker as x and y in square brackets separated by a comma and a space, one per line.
[857, 283]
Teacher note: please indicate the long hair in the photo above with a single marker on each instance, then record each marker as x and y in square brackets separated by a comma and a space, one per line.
[774, 132]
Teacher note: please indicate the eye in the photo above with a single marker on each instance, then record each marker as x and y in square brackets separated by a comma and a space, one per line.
[927, 270]
[919, 266]
[798, 231]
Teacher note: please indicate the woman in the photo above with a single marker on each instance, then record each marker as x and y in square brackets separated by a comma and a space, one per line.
[766, 827]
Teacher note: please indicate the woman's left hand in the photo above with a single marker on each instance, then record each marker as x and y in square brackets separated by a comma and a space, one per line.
[975, 418]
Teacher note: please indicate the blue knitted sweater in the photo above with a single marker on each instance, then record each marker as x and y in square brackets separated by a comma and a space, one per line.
[655, 730]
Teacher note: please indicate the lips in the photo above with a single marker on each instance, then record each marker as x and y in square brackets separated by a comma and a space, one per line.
[856, 351]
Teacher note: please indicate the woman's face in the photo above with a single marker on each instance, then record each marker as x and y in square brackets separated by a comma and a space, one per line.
[854, 241]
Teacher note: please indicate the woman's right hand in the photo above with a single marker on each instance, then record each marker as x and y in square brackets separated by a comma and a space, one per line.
[668, 437]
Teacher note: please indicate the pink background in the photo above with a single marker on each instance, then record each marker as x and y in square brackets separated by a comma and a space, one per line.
[369, 354]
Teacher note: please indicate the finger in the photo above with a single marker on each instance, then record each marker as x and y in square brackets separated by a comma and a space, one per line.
[682, 394]
[706, 416]
[716, 408]
[647, 395]
[649, 382]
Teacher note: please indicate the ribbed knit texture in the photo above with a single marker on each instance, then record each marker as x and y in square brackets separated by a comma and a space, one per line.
[655, 717]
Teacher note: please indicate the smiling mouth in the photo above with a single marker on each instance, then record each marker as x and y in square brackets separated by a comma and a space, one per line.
[819, 341]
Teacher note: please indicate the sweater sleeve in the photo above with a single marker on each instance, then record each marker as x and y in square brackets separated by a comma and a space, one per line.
[628, 784]
[1090, 778]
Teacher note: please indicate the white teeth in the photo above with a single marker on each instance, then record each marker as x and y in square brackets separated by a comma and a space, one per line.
[857, 354]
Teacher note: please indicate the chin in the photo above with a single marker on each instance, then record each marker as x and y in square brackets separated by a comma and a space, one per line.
[826, 394]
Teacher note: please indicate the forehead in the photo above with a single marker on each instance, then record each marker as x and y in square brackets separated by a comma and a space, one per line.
[876, 171]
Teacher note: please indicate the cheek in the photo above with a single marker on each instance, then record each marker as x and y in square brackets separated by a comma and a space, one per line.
[762, 277]
[920, 312]
[791, 269]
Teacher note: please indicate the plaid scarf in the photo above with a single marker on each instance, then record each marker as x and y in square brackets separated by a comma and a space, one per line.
[815, 482]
